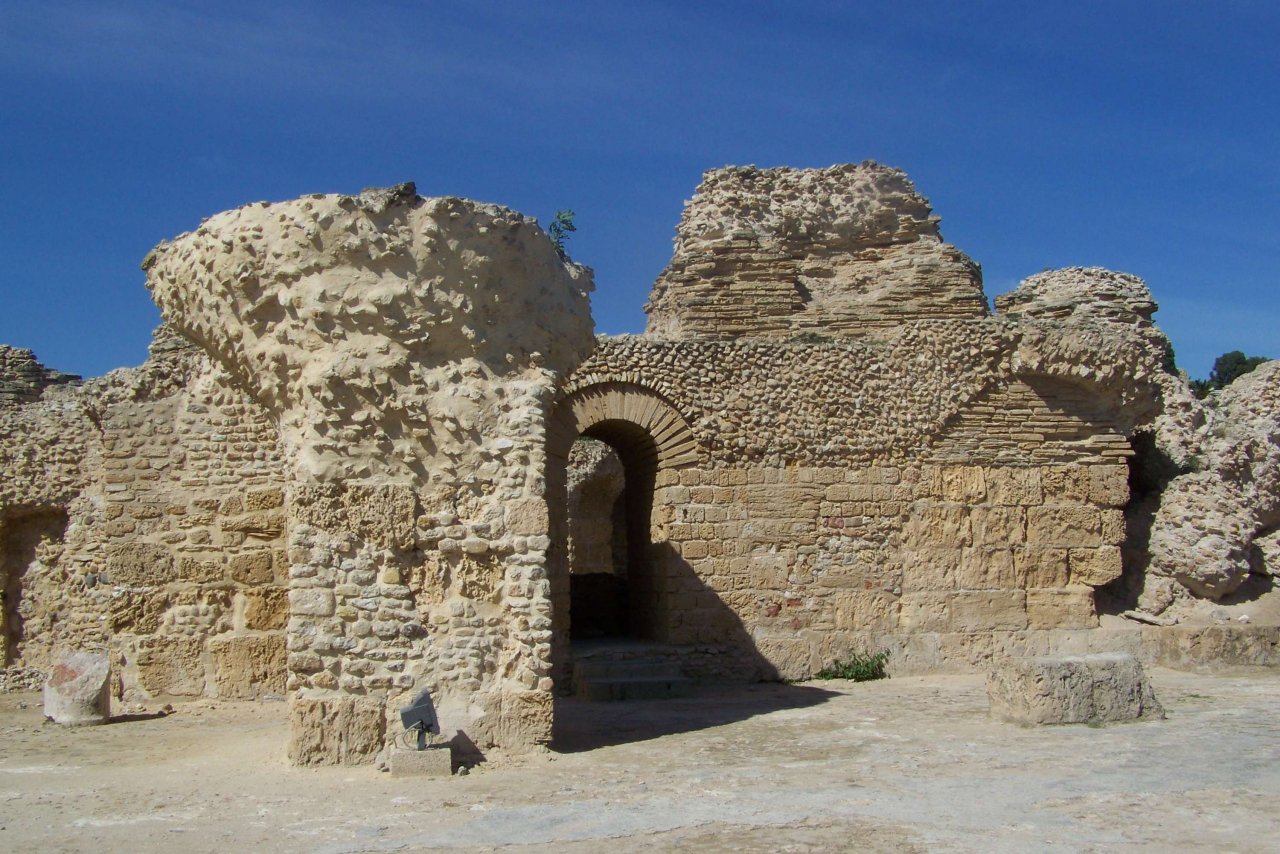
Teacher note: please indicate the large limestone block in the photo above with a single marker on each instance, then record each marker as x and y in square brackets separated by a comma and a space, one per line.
[989, 610]
[998, 526]
[1109, 485]
[335, 730]
[171, 666]
[927, 611]
[249, 666]
[1071, 689]
[1064, 525]
[1039, 566]
[524, 719]
[964, 484]
[929, 569]
[1018, 487]
[987, 568]
[266, 608]
[937, 526]
[785, 658]
[139, 564]
[865, 610]
[435, 761]
[1095, 567]
[1061, 608]
[76, 692]
[1197, 646]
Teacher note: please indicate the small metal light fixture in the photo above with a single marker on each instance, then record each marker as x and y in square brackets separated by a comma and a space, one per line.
[420, 715]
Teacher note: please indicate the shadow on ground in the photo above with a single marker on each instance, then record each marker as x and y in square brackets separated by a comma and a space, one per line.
[138, 716]
[581, 725]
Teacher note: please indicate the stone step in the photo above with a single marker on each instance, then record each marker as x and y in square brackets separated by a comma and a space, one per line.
[627, 673]
[624, 668]
[634, 688]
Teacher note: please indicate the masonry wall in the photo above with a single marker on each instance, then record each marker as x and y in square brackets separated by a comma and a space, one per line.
[861, 495]
[359, 486]
[407, 349]
[164, 539]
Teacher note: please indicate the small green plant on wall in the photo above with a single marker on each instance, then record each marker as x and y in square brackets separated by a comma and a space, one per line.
[857, 667]
[561, 227]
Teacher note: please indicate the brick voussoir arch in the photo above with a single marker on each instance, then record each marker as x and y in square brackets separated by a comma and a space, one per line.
[597, 404]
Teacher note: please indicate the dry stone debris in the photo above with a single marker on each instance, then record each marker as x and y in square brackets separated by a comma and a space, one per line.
[1216, 522]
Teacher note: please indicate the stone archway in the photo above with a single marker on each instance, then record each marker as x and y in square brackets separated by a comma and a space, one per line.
[652, 440]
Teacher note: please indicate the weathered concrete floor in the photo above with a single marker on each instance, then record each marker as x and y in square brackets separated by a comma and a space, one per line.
[910, 764]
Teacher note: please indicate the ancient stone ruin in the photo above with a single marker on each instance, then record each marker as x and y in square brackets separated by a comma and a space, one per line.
[376, 448]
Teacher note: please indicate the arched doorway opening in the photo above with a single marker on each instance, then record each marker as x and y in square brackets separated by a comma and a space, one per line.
[612, 583]
[608, 446]
[598, 541]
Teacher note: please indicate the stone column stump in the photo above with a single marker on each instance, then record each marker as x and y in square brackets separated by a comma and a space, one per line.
[76, 693]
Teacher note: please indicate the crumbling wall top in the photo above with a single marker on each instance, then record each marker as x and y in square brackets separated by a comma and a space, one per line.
[779, 252]
[1080, 293]
[359, 320]
[23, 378]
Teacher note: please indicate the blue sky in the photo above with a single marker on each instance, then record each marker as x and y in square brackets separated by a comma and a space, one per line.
[1137, 136]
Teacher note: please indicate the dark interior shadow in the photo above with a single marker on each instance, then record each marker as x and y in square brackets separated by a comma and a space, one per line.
[582, 725]
[712, 647]
[1150, 471]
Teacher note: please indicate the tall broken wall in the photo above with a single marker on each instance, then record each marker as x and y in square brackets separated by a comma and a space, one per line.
[1212, 468]
[407, 349]
[361, 482]
[140, 513]
[23, 378]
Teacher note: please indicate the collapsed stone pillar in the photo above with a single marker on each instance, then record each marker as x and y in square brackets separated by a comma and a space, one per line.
[408, 348]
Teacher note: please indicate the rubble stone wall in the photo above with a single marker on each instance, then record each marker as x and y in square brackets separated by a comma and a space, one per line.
[145, 516]
[23, 378]
[827, 508]
[407, 348]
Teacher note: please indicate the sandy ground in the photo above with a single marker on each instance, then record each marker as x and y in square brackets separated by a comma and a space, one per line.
[910, 764]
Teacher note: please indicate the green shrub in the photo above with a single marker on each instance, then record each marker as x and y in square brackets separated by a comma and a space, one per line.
[859, 668]
[1226, 368]
[561, 227]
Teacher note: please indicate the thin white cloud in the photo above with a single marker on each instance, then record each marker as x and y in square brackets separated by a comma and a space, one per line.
[412, 53]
